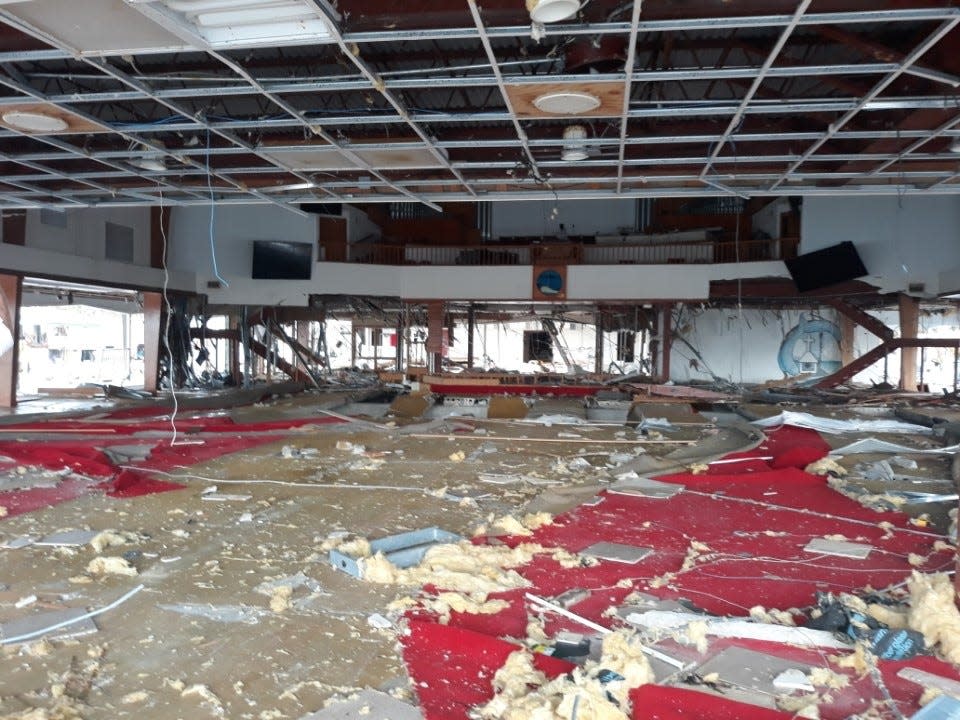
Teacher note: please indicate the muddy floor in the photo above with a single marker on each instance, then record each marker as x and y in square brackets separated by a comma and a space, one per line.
[206, 637]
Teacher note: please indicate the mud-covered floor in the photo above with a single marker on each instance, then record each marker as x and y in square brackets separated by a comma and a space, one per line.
[200, 640]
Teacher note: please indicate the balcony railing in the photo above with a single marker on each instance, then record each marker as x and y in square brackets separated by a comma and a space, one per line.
[575, 253]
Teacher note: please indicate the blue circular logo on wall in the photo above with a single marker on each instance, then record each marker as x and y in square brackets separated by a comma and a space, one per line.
[549, 282]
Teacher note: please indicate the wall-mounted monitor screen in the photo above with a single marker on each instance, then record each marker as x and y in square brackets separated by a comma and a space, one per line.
[278, 260]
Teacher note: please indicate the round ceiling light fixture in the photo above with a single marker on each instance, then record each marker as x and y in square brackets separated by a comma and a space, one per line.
[955, 145]
[34, 122]
[148, 163]
[567, 102]
[575, 151]
[551, 11]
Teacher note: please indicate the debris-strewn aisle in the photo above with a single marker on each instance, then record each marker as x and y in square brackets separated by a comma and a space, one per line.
[665, 569]
[757, 538]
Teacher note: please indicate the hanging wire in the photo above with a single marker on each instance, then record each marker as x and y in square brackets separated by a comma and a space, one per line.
[213, 211]
[166, 328]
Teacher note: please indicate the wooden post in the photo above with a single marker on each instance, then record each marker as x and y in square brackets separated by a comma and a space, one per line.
[152, 310]
[848, 330]
[471, 328]
[909, 326]
[598, 342]
[434, 336]
[353, 345]
[400, 343]
[233, 351]
[666, 340]
[301, 330]
[11, 290]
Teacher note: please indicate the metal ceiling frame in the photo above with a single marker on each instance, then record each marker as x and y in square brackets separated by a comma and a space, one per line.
[909, 151]
[538, 194]
[472, 179]
[909, 60]
[734, 123]
[628, 89]
[15, 22]
[473, 81]
[511, 113]
[27, 159]
[671, 109]
[313, 127]
[712, 24]
[378, 84]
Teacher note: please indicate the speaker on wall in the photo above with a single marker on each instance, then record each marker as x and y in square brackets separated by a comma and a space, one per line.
[822, 268]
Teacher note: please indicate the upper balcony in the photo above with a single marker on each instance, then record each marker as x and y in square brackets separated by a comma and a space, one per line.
[599, 251]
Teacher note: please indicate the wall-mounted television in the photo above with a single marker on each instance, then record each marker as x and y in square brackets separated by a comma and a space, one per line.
[279, 260]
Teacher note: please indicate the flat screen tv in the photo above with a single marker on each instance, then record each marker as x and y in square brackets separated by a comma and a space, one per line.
[278, 260]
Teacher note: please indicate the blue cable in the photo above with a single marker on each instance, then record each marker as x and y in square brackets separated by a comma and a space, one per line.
[213, 210]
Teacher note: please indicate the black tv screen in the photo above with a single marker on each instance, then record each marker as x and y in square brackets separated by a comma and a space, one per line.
[277, 260]
[829, 266]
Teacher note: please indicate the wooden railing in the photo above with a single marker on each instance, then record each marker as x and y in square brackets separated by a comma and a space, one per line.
[575, 253]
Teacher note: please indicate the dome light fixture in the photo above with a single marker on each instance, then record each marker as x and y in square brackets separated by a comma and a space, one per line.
[34, 122]
[955, 145]
[567, 102]
[576, 150]
[551, 11]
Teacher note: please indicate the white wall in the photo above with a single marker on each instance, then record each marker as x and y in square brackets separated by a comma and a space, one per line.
[901, 240]
[644, 282]
[46, 263]
[725, 338]
[360, 228]
[235, 228]
[767, 219]
[579, 217]
[739, 346]
[85, 232]
[77, 252]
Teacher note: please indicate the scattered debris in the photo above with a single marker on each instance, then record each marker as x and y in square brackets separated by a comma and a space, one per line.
[113, 565]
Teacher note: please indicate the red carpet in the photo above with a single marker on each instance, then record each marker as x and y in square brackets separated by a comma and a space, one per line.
[207, 438]
[655, 702]
[454, 667]
[755, 517]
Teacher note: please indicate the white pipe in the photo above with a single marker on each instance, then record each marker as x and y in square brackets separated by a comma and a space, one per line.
[547, 605]
[73, 621]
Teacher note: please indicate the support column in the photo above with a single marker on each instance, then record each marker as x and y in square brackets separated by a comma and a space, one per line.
[909, 326]
[353, 345]
[471, 328]
[11, 290]
[233, 351]
[400, 343]
[152, 310]
[847, 333]
[666, 340]
[245, 330]
[301, 329]
[434, 337]
[598, 342]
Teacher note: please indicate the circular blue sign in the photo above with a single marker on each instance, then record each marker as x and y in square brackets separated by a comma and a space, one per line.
[550, 282]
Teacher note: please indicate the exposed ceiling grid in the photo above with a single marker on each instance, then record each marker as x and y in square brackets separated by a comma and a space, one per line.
[628, 90]
[137, 141]
[917, 53]
[386, 103]
[734, 123]
[495, 67]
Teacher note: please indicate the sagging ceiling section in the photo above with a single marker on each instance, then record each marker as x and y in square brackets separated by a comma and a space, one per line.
[134, 102]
